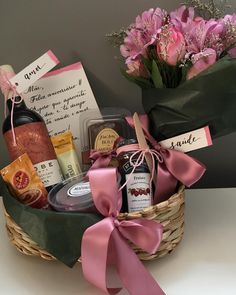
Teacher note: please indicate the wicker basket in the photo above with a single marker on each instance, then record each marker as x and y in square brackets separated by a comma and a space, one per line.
[169, 213]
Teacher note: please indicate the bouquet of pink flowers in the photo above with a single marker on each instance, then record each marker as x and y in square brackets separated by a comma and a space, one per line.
[166, 49]
[185, 65]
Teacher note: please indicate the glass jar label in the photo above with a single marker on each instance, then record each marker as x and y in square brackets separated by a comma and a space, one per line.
[139, 191]
[79, 189]
[105, 140]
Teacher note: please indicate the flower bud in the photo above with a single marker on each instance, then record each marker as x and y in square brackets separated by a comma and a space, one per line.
[137, 69]
[202, 61]
[171, 46]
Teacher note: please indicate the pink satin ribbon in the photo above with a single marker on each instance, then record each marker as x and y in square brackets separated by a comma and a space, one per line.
[101, 159]
[6, 87]
[176, 166]
[105, 243]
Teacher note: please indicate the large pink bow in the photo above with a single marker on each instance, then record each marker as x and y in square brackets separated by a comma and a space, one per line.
[105, 243]
[176, 166]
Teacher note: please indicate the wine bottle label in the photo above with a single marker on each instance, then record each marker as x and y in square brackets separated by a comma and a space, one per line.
[139, 191]
[49, 172]
[33, 139]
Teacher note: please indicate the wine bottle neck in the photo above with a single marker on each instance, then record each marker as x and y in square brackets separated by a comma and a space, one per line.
[18, 105]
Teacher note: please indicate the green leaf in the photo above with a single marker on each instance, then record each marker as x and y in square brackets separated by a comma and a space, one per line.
[148, 64]
[185, 70]
[156, 75]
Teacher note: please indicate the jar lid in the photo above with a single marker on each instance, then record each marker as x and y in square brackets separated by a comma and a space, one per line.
[73, 194]
[127, 142]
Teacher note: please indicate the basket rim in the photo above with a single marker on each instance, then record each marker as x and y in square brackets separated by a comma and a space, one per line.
[172, 209]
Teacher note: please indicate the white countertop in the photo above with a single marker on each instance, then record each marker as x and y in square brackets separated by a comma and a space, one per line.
[204, 263]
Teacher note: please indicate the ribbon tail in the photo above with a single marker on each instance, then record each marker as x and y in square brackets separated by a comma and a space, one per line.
[94, 254]
[144, 233]
[104, 246]
[134, 276]
[166, 184]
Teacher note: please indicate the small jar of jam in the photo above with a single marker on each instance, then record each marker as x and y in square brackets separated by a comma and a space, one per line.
[138, 192]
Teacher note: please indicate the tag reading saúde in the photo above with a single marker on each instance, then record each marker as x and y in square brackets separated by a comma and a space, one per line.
[34, 71]
[189, 141]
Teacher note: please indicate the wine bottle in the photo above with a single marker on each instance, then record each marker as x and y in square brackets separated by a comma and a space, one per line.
[31, 137]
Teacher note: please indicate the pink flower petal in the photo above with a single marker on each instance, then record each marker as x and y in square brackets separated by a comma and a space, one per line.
[232, 52]
[201, 62]
[171, 46]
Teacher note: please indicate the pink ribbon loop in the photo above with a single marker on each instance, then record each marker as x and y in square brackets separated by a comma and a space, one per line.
[176, 166]
[186, 169]
[105, 243]
[143, 233]
[101, 159]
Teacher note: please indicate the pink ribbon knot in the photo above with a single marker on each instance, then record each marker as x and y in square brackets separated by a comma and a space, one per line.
[101, 159]
[105, 244]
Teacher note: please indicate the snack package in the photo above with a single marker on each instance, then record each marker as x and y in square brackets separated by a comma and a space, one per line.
[66, 154]
[24, 183]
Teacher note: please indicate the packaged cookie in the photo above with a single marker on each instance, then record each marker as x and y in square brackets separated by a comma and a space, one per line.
[24, 183]
[100, 130]
[66, 155]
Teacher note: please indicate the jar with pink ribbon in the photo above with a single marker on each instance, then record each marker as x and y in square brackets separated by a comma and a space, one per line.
[136, 180]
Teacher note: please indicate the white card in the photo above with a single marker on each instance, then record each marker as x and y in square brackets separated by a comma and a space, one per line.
[34, 71]
[60, 97]
[190, 141]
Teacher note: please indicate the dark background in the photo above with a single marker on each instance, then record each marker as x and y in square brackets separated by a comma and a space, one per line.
[75, 30]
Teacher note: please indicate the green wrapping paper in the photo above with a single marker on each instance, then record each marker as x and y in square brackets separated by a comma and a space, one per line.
[207, 99]
[58, 233]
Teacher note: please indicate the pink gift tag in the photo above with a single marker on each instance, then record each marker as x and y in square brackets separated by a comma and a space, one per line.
[190, 141]
[34, 71]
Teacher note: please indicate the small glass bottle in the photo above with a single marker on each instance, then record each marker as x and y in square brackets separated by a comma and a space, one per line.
[32, 137]
[138, 192]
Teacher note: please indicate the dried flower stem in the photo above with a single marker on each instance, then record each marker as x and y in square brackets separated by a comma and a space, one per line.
[117, 38]
[209, 9]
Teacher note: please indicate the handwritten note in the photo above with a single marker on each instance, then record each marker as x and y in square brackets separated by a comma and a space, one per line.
[60, 97]
[190, 141]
